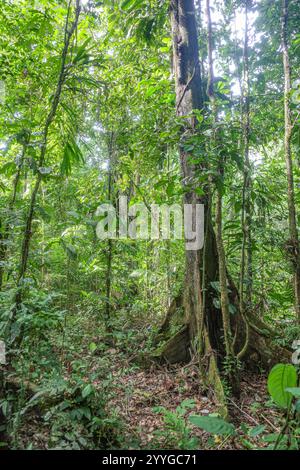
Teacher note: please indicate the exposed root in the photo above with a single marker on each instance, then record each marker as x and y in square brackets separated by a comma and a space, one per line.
[37, 397]
[254, 342]
[176, 349]
[175, 305]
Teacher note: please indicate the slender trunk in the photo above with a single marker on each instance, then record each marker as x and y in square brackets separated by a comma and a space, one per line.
[109, 242]
[223, 280]
[246, 219]
[168, 248]
[69, 31]
[293, 243]
[219, 201]
[108, 280]
[5, 235]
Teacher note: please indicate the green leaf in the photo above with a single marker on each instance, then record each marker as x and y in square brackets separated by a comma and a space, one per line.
[72, 155]
[127, 4]
[281, 377]
[88, 390]
[43, 213]
[82, 53]
[257, 430]
[170, 189]
[66, 164]
[131, 4]
[8, 168]
[232, 309]
[213, 425]
[3, 187]
[295, 391]
[71, 251]
[92, 347]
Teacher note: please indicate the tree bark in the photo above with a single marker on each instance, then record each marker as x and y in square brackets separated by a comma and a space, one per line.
[246, 219]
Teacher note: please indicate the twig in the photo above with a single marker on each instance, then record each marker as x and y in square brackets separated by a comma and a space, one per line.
[244, 412]
[223, 442]
[270, 423]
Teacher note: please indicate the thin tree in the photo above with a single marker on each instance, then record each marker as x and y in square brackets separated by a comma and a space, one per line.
[246, 217]
[5, 233]
[293, 243]
[230, 360]
[219, 197]
[110, 177]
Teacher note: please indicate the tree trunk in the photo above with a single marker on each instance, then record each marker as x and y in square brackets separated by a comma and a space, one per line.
[109, 242]
[202, 330]
[293, 243]
[219, 198]
[204, 327]
[246, 255]
[5, 235]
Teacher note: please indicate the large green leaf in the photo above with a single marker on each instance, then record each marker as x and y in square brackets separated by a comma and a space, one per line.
[88, 390]
[8, 169]
[131, 4]
[213, 425]
[72, 156]
[281, 377]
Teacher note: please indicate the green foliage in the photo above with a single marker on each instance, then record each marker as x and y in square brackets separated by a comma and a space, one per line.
[176, 432]
[39, 314]
[295, 391]
[72, 155]
[213, 425]
[115, 132]
[252, 437]
[281, 377]
[80, 422]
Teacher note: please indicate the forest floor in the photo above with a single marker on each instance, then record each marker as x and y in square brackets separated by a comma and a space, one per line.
[148, 403]
[141, 393]
[103, 376]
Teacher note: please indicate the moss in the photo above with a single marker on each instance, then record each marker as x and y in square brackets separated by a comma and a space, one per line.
[215, 382]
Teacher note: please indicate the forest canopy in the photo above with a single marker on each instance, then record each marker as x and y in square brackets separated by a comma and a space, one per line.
[149, 224]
